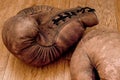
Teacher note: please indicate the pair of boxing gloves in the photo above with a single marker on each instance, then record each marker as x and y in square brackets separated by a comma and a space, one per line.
[41, 34]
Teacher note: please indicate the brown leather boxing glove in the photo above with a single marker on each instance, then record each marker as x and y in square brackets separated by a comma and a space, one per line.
[98, 50]
[40, 34]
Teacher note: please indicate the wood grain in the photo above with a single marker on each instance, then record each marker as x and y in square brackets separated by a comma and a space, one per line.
[13, 69]
[117, 3]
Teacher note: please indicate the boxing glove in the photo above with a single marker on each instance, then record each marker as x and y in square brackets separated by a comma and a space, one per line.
[97, 57]
[41, 34]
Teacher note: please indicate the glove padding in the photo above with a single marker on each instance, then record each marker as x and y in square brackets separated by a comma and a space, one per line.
[40, 34]
[98, 53]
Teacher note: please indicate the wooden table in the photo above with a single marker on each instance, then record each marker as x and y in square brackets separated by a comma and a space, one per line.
[108, 12]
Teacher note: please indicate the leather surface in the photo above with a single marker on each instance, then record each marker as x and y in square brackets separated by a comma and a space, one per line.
[98, 53]
[41, 34]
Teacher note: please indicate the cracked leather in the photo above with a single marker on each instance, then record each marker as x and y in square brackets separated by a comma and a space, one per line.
[41, 34]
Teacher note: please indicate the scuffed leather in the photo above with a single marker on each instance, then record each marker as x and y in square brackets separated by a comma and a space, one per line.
[41, 34]
[100, 50]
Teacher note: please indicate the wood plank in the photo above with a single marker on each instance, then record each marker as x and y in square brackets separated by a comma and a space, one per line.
[117, 6]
